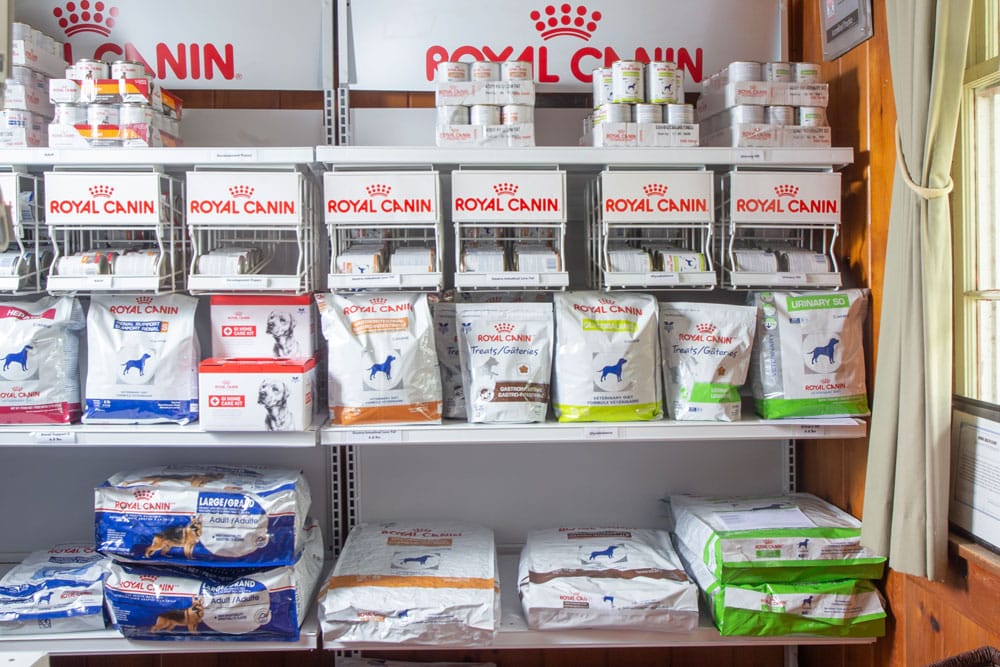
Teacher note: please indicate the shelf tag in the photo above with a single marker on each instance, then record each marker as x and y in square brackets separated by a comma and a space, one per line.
[660, 278]
[245, 282]
[810, 429]
[52, 436]
[600, 432]
[100, 281]
[235, 156]
[365, 279]
[797, 278]
[374, 435]
[750, 155]
[513, 278]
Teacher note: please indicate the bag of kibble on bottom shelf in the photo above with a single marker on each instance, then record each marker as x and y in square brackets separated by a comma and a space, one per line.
[230, 604]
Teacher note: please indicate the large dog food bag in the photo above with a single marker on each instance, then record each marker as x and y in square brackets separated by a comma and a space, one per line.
[844, 608]
[185, 603]
[53, 591]
[809, 357]
[276, 326]
[706, 353]
[623, 578]
[449, 360]
[142, 363]
[383, 364]
[413, 582]
[774, 539]
[606, 357]
[39, 361]
[203, 515]
[506, 355]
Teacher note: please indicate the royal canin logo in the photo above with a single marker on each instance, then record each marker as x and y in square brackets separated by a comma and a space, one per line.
[505, 189]
[655, 201]
[504, 334]
[378, 202]
[101, 191]
[143, 494]
[605, 307]
[786, 190]
[80, 17]
[786, 200]
[565, 20]
[705, 327]
[241, 202]
[378, 190]
[506, 200]
[144, 300]
[705, 332]
[503, 327]
[102, 202]
[826, 384]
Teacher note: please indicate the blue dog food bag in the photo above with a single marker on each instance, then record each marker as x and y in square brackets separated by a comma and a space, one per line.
[222, 516]
[143, 355]
[231, 604]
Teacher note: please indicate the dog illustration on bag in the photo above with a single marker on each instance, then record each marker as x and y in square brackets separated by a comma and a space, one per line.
[189, 618]
[281, 327]
[385, 368]
[273, 395]
[614, 369]
[824, 351]
[137, 364]
[184, 537]
[19, 358]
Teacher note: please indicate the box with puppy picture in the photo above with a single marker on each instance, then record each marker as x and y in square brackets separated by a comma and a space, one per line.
[263, 326]
[257, 394]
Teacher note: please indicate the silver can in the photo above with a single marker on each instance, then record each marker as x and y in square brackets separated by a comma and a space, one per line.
[743, 70]
[11, 263]
[806, 72]
[449, 72]
[747, 113]
[484, 70]
[484, 114]
[616, 113]
[452, 114]
[648, 113]
[680, 114]
[131, 113]
[516, 70]
[777, 71]
[627, 82]
[779, 115]
[70, 114]
[138, 263]
[87, 68]
[102, 114]
[602, 81]
[812, 117]
[511, 114]
[661, 83]
[128, 69]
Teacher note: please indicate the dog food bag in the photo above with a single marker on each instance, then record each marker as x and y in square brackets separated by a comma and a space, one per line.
[449, 360]
[243, 604]
[413, 582]
[39, 361]
[383, 365]
[250, 326]
[706, 352]
[203, 515]
[57, 590]
[606, 357]
[809, 357]
[844, 608]
[779, 539]
[143, 357]
[506, 353]
[605, 578]
[257, 394]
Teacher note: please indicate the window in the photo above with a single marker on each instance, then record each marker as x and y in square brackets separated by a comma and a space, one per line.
[977, 215]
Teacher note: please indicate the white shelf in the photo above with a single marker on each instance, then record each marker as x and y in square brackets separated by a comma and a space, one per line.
[583, 156]
[149, 435]
[515, 634]
[458, 432]
[180, 156]
[111, 642]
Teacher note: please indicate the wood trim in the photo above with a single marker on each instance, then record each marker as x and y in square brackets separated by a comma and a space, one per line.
[250, 99]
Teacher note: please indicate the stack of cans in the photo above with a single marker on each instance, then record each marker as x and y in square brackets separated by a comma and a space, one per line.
[634, 92]
[485, 114]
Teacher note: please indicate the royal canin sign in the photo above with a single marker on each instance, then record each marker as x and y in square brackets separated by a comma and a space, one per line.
[392, 196]
[785, 197]
[508, 196]
[651, 196]
[106, 198]
[271, 198]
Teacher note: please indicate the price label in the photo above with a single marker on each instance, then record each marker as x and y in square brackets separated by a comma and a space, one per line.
[376, 279]
[796, 278]
[813, 430]
[235, 156]
[600, 433]
[100, 281]
[746, 155]
[52, 436]
[255, 282]
[512, 278]
[375, 435]
[665, 278]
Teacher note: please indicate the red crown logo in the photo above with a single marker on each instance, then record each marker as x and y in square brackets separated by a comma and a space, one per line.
[505, 189]
[786, 190]
[378, 300]
[564, 19]
[16, 388]
[144, 300]
[101, 191]
[244, 191]
[705, 328]
[143, 494]
[606, 301]
[148, 577]
[504, 327]
[655, 190]
[85, 16]
[378, 190]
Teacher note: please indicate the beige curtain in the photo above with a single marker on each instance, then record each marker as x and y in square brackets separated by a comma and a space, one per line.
[906, 491]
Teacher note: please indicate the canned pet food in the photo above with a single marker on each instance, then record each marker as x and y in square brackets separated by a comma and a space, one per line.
[22, 75]
[779, 115]
[484, 70]
[743, 70]
[219, 264]
[70, 114]
[85, 264]
[777, 71]
[11, 263]
[86, 68]
[452, 114]
[747, 113]
[138, 263]
[661, 83]
[484, 114]
[127, 69]
[806, 72]
[616, 113]
[452, 71]
[627, 82]
[648, 113]
[680, 114]
[516, 70]
[134, 114]
[602, 81]
[102, 114]
[812, 117]
[511, 114]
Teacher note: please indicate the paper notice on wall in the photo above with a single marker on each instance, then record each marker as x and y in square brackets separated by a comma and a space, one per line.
[764, 518]
[975, 497]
